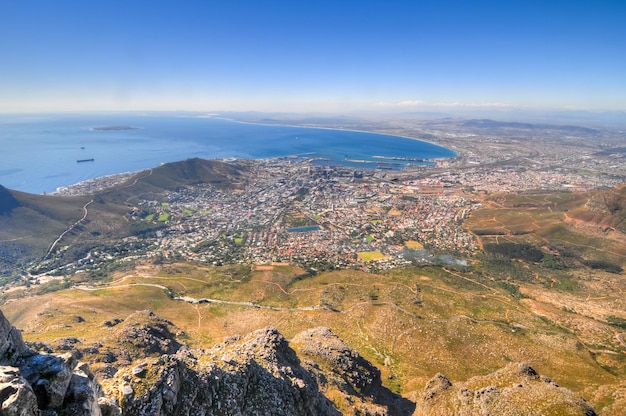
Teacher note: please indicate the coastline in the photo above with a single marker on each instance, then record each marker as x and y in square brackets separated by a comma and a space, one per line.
[376, 141]
[456, 154]
[93, 185]
[104, 182]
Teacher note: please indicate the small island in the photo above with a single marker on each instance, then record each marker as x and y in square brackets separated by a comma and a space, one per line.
[114, 128]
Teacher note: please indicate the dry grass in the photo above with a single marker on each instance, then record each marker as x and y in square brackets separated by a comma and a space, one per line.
[551, 220]
[417, 321]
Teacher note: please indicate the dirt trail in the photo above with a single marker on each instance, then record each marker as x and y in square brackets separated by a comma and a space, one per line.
[71, 227]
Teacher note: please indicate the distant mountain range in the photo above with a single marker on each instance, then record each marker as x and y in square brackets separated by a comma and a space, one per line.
[494, 124]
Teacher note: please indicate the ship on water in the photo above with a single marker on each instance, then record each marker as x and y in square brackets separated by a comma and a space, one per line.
[85, 160]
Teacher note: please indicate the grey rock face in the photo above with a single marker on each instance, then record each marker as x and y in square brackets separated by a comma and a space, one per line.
[43, 383]
[12, 346]
[50, 376]
[83, 393]
[16, 395]
[255, 375]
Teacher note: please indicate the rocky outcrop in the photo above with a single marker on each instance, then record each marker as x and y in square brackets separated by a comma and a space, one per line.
[143, 333]
[339, 368]
[32, 383]
[515, 390]
[12, 346]
[349, 370]
[260, 374]
[16, 395]
[257, 374]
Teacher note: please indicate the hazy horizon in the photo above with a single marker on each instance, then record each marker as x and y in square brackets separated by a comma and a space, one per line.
[326, 57]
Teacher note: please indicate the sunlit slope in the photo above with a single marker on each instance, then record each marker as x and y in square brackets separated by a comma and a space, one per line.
[582, 229]
[30, 224]
[411, 323]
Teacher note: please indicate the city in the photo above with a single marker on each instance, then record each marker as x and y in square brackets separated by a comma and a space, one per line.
[296, 210]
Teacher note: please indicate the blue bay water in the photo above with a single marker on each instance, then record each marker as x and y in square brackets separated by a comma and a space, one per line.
[40, 153]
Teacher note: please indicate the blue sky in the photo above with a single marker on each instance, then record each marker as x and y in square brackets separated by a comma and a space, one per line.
[311, 55]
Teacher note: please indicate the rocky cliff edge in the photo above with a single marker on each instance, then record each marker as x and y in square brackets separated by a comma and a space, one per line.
[257, 374]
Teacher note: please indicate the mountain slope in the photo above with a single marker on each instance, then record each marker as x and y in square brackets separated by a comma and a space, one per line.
[581, 229]
[258, 373]
[606, 209]
[29, 224]
[8, 202]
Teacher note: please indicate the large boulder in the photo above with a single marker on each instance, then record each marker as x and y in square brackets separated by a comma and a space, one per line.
[50, 376]
[12, 346]
[36, 383]
[16, 395]
[83, 393]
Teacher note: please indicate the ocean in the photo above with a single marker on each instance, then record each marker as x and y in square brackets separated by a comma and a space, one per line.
[40, 152]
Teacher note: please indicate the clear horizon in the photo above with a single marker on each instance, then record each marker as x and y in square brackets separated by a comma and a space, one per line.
[329, 57]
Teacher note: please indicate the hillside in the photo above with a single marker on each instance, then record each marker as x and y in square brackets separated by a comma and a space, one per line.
[30, 224]
[606, 210]
[8, 202]
[169, 176]
[259, 373]
[410, 324]
[572, 229]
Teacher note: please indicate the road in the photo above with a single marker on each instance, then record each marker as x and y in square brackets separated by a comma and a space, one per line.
[71, 227]
[205, 300]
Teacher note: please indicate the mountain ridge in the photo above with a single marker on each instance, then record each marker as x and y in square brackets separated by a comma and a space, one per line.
[258, 373]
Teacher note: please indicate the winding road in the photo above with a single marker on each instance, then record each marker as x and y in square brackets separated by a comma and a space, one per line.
[71, 227]
[205, 300]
